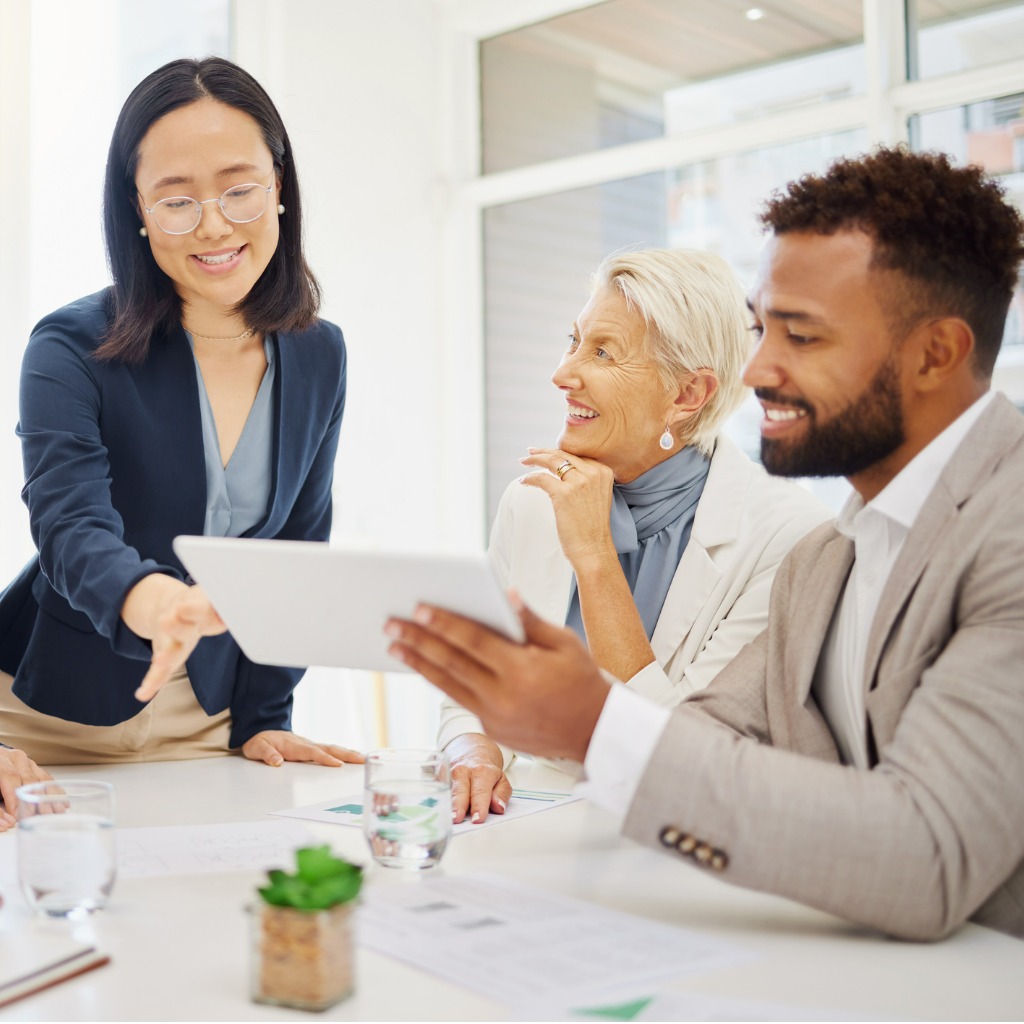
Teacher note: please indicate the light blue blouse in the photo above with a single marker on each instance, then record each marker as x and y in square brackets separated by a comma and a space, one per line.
[237, 494]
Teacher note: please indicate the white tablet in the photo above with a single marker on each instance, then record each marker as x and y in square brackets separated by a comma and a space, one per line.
[302, 603]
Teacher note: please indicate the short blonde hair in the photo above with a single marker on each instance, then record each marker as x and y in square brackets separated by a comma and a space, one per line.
[696, 316]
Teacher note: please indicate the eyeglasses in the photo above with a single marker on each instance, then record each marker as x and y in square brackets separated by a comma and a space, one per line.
[240, 204]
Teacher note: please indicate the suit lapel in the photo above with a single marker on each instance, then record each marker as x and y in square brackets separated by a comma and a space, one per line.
[812, 607]
[972, 463]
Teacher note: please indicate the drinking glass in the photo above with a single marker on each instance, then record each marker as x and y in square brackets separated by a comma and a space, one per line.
[66, 859]
[407, 807]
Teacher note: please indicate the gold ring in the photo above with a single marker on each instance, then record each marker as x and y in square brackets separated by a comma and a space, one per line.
[564, 468]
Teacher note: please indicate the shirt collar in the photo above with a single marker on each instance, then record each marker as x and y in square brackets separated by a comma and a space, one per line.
[904, 496]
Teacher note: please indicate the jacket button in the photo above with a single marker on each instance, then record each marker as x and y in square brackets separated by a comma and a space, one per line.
[702, 855]
[719, 860]
[669, 835]
[687, 844]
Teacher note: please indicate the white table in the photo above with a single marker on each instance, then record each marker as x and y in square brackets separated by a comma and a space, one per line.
[180, 944]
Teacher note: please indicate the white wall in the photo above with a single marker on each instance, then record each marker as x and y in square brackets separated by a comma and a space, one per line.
[362, 88]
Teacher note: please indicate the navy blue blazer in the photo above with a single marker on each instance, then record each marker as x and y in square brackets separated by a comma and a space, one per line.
[114, 471]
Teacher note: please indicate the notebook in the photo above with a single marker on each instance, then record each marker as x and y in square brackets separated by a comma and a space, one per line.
[301, 603]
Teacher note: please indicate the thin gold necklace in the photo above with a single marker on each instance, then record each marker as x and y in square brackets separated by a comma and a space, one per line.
[238, 337]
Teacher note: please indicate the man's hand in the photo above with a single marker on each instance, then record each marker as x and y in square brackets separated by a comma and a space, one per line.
[543, 696]
[16, 769]
[275, 746]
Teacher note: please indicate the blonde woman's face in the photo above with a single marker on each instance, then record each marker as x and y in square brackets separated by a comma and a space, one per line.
[617, 405]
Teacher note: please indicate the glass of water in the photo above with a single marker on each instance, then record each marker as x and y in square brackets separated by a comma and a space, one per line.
[66, 859]
[407, 807]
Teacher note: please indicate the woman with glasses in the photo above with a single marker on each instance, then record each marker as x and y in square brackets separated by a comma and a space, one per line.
[198, 394]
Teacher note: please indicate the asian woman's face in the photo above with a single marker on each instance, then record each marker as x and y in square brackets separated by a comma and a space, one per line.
[199, 151]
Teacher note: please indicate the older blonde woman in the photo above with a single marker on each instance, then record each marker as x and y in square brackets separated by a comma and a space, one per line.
[645, 529]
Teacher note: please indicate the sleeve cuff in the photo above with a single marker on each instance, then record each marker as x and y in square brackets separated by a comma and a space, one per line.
[623, 742]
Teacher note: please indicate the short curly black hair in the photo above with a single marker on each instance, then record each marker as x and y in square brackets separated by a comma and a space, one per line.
[948, 229]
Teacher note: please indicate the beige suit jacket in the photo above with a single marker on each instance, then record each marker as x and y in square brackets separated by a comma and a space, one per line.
[933, 834]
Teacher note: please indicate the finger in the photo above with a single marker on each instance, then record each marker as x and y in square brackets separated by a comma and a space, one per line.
[539, 631]
[460, 793]
[259, 748]
[194, 611]
[344, 754]
[481, 782]
[543, 481]
[546, 458]
[165, 663]
[501, 795]
[456, 645]
[7, 820]
[300, 749]
[9, 782]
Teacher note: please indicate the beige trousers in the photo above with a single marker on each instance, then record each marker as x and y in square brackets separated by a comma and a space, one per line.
[171, 727]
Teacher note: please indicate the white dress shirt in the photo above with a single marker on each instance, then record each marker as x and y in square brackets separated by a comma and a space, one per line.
[628, 729]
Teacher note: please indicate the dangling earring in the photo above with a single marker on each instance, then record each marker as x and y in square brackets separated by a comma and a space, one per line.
[667, 441]
[143, 232]
[280, 207]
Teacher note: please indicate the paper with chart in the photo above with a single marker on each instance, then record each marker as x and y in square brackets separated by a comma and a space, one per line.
[348, 810]
[522, 945]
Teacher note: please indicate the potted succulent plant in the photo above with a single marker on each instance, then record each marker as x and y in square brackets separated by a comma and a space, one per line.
[302, 932]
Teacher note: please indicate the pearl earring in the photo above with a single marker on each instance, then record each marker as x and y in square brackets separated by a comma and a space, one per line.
[143, 232]
[280, 207]
[667, 441]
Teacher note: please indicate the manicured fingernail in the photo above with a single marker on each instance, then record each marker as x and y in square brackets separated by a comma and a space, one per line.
[393, 629]
[397, 651]
[422, 615]
[501, 803]
[477, 818]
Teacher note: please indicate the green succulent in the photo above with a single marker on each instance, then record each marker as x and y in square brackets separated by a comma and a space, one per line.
[320, 881]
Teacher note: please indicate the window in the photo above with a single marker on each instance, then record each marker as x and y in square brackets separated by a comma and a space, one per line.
[636, 123]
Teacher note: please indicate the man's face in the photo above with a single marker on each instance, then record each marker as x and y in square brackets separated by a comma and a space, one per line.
[826, 367]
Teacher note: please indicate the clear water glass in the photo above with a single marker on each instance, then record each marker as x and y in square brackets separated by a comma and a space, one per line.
[66, 856]
[407, 807]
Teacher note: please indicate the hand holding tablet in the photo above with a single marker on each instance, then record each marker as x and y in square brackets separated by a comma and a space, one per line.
[301, 603]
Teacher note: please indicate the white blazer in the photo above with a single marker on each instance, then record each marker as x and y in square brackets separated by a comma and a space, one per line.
[746, 522]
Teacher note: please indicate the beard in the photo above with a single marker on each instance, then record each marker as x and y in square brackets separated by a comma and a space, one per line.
[868, 430]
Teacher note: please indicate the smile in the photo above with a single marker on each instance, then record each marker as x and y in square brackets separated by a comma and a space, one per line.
[224, 257]
[783, 415]
[581, 412]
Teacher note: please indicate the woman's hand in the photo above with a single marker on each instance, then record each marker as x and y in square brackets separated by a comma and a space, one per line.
[581, 496]
[275, 746]
[175, 617]
[16, 769]
[479, 784]
[582, 500]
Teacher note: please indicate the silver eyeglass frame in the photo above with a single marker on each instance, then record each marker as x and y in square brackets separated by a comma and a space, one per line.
[200, 203]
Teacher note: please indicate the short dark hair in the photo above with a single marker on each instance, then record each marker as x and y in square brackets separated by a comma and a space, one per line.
[144, 304]
[949, 230]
